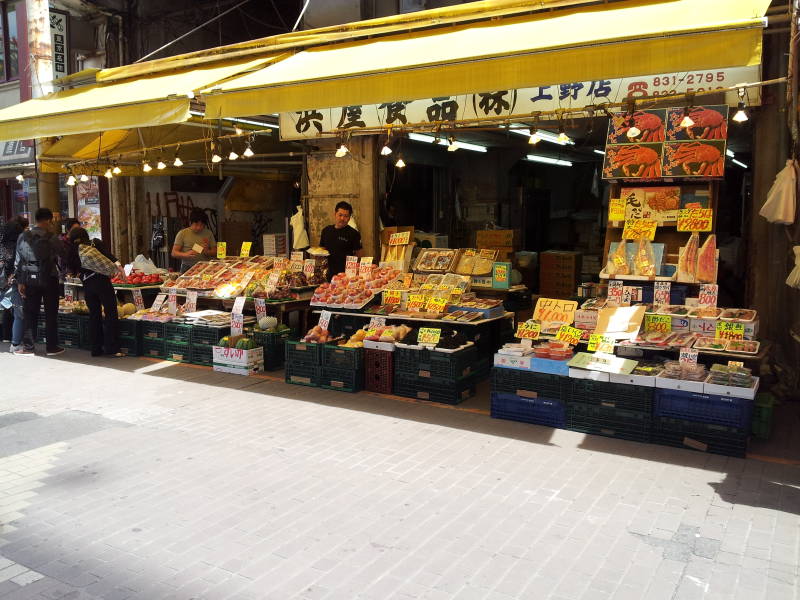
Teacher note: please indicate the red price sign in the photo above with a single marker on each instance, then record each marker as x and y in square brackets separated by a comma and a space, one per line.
[191, 302]
[237, 323]
[695, 219]
[615, 288]
[552, 310]
[173, 301]
[324, 319]
[709, 292]
[400, 239]
[309, 265]
[138, 300]
[69, 293]
[351, 266]
[261, 308]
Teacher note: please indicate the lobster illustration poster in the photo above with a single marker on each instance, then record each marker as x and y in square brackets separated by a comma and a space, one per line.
[663, 148]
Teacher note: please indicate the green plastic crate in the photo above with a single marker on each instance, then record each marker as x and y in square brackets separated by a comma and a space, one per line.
[130, 346]
[274, 344]
[202, 354]
[342, 380]
[303, 374]
[762, 416]
[178, 332]
[177, 352]
[153, 348]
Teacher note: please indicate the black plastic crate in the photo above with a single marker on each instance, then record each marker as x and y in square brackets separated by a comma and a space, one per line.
[301, 374]
[704, 408]
[129, 328]
[445, 365]
[338, 357]
[704, 437]
[343, 380]
[177, 352]
[274, 345]
[611, 395]
[610, 422]
[68, 322]
[537, 410]
[69, 338]
[178, 332]
[153, 348]
[208, 336]
[130, 346]
[544, 384]
[378, 370]
[152, 330]
[202, 354]
[434, 389]
[303, 353]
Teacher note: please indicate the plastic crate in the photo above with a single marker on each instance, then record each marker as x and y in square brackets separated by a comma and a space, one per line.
[83, 327]
[544, 384]
[704, 437]
[378, 371]
[302, 374]
[69, 338]
[68, 322]
[704, 408]
[177, 352]
[208, 336]
[178, 332]
[153, 348]
[274, 345]
[343, 380]
[152, 330]
[610, 422]
[539, 411]
[129, 328]
[434, 389]
[202, 354]
[338, 357]
[303, 353]
[762, 416]
[130, 346]
[445, 365]
[611, 395]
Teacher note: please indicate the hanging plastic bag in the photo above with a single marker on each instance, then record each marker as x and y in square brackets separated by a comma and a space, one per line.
[782, 197]
[794, 277]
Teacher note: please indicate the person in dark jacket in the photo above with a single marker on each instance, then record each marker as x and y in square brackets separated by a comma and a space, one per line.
[99, 295]
[9, 294]
[36, 273]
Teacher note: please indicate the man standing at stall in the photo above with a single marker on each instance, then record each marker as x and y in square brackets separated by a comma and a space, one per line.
[196, 242]
[340, 239]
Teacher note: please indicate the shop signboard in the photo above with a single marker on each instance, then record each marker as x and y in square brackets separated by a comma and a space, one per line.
[17, 152]
[59, 42]
[87, 194]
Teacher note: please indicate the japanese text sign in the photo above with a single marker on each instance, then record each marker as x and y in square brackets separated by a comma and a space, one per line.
[415, 302]
[138, 300]
[237, 323]
[429, 336]
[695, 219]
[436, 305]
[553, 310]
[400, 239]
[324, 319]
[601, 343]
[709, 292]
[158, 303]
[297, 255]
[392, 297]
[615, 292]
[661, 292]
[69, 293]
[191, 302]
[351, 266]
[658, 323]
[222, 249]
[639, 229]
[245, 248]
[688, 356]
[529, 330]
[309, 265]
[570, 335]
[261, 308]
[727, 330]
[173, 301]
[616, 209]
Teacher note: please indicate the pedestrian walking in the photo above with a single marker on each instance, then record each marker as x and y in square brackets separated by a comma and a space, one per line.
[36, 273]
[10, 299]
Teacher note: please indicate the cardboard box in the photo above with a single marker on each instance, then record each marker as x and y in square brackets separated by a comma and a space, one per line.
[495, 238]
[513, 362]
[680, 384]
[642, 380]
[232, 357]
[586, 374]
[246, 371]
[731, 390]
[553, 367]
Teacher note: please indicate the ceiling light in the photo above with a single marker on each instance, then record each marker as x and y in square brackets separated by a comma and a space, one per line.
[116, 170]
[161, 165]
[387, 149]
[108, 174]
[341, 150]
[548, 160]
[21, 177]
[400, 162]
[248, 151]
[739, 163]
[741, 114]
[452, 144]
[600, 152]
[233, 155]
[71, 179]
[238, 130]
[146, 167]
[687, 120]
[215, 158]
[177, 162]
[535, 137]
[729, 152]
[84, 177]
[563, 138]
[459, 144]
[546, 136]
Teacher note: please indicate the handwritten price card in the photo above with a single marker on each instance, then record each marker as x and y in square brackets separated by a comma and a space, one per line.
[237, 323]
[324, 320]
[436, 305]
[308, 267]
[709, 292]
[601, 343]
[529, 330]
[416, 302]
[429, 336]
[365, 266]
[695, 219]
[570, 335]
[222, 249]
[138, 300]
[245, 249]
[639, 229]
[661, 292]
[658, 323]
[297, 255]
[173, 301]
[550, 310]
[616, 209]
[351, 266]
[688, 356]
[729, 331]
[238, 305]
[158, 303]
[615, 289]
[392, 297]
[400, 239]
[261, 308]
[191, 302]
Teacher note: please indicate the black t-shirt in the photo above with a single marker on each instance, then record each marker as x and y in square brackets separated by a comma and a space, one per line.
[341, 243]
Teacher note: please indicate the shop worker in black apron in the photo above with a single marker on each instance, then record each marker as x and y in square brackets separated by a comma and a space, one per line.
[340, 239]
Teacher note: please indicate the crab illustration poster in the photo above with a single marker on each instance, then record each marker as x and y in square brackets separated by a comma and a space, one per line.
[658, 203]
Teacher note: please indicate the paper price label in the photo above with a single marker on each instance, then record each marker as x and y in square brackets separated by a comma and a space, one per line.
[245, 249]
[237, 323]
[365, 268]
[298, 255]
[688, 356]
[429, 335]
[261, 308]
[191, 302]
[309, 265]
[639, 229]
[238, 305]
[173, 301]
[709, 292]
[615, 287]
[735, 363]
[470, 252]
[529, 330]
[616, 209]
[296, 266]
[601, 343]
[324, 319]
[553, 310]
[158, 303]
[726, 330]
[436, 305]
[695, 219]
[351, 266]
[69, 293]
[658, 323]
[392, 297]
[222, 249]
[272, 280]
[416, 302]
[198, 248]
[400, 239]
[408, 278]
[661, 292]
[138, 300]
[627, 295]
[376, 322]
[487, 253]
[570, 335]
[281, 263]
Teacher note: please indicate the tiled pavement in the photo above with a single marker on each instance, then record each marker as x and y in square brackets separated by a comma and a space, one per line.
[131, 479]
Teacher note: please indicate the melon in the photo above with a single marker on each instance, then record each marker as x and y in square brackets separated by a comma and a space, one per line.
[267, 323]
[128, 309]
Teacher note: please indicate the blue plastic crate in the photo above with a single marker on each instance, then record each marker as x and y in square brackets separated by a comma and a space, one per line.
[539, 411]
[704, 408]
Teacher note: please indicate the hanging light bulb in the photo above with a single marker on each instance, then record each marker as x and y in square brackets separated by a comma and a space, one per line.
[238, 130]
[21, 177]
[387, 149]
[84, 177]
[341, 150]
[71, 179]
[633, 130]
[215, 158]
[232, 155]
[146, 167]
[160, 165]
[563, 138]
[177, 162]
[741, 113]
[687, 120]
[248, 151]
[452, 144]
[535, 137]
[400, 162]
[116, 170]
[108, 174]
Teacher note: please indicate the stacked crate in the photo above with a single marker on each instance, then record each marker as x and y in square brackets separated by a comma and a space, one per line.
[446, 377]
[303, 363]
[153, 343]
[342, 368]
[559, 273]
[203, 341]
[130, 337]
[529, 397]
[178, 342]
[69, 330]
[378, 370]
[615, 410]
[274, 345]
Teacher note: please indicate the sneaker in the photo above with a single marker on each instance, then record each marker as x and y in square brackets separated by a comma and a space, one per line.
[23, 352]
[55, 351]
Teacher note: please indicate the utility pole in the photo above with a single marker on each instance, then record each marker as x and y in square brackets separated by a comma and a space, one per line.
[40, 53]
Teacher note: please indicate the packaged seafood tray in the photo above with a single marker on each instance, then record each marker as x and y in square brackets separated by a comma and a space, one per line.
[682, 340]
[710, 343]
[196, 269]
[435, 260]
[673, 310]
[738, 314]
[743, 346]
[705, 312]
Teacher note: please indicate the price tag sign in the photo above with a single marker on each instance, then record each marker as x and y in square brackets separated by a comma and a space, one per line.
[298, 255]
[365, 266]
[138, 300]
[261, 308]
[695, 219]
[69, 293]
[245, 249]
[429, 336]
[351, 266]
[529, 330]
[173, 301]
[400, 239]
[729, 331]
[658, 323]
[158, 303]
[661, 292]
[688, 356]
[198, 248]
[376, 322]
[615, 287]
[735, 363]
[324, 319]
[487, 253]
[309, 265]
[470, 252]
[222, 249]
[627, 295]
[601, 343]
[709, 292]
[570, 335]
[392, 297]
[416, 302]
[436, 305]
[553, 310]
[191, 302]
[616, 209]
[296, 266]
[639, 229]
[238, 305]
[272, 280]
[281, 263]
[237, 323]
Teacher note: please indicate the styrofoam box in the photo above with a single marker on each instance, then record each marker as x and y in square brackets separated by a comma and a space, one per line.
[587, 374]
[706, 327]
[234, 357]
[513, 362]
[680, 384]
[386, 346]
[731, 390]
[246, 371]
[642, 380]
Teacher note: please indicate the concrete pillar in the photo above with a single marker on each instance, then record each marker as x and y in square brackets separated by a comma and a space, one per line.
[47, 187]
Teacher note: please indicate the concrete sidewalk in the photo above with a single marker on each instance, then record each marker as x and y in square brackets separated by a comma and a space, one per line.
[133, 479]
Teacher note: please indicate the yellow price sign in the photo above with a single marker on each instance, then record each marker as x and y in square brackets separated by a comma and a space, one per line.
[222, 249]
[570, 335]
[436, 305]
[392, 297]
[416, 301]
[729, 331]
[616, 209]
[658, 323]
[695, 219]
[601, 343]
[555, 310]
[529, 330]
[245, 249]
[429, 335]
[400, 239]
[639, 229]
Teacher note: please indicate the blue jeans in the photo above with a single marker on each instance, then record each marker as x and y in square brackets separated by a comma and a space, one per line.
[17, 314]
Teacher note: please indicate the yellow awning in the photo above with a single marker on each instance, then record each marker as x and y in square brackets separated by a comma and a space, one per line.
[581, 44]
[145, 102]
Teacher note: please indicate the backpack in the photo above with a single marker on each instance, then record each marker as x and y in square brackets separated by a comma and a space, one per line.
[44, 265]
[94, 260]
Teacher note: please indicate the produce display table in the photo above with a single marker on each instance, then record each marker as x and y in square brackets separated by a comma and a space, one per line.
[507, 315]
